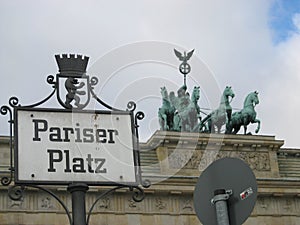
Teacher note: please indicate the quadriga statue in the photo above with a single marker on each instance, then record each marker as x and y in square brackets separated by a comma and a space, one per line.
[182, 112]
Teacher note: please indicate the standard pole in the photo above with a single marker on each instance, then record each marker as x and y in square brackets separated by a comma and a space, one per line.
[220, 202]
[78, 192]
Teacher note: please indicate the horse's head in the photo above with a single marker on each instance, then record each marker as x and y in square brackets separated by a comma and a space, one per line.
[196, 93]
[164, 92]
[255, 98]
[228, 92]
[252, 99]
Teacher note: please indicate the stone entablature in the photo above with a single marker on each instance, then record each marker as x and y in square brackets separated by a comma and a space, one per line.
[289, 162]
[191, 153]
[173, 162]
[163, 201]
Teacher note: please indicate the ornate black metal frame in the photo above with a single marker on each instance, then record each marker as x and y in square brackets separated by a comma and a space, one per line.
[16, 191]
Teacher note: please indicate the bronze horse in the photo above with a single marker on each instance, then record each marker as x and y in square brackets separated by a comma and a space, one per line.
[246, 116]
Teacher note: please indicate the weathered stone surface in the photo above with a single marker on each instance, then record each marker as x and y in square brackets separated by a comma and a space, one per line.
[173, 161]
[191, 153]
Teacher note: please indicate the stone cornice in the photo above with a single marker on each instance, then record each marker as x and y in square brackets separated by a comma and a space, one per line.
[163, 138]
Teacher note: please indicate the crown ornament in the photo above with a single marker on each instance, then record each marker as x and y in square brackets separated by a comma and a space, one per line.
[72, 65]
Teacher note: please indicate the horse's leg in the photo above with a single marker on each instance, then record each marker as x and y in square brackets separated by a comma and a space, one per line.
[160, 119]
[228, 127]
[245, 129]
[222, 121]
[236, 129]
[166, 127]
[211, 126]
[194, 121]
[208, 125]
[219, 129]
[160, 123]
[171, 122]
[189, 123]
[176, 123]
[245, 123]
[229, 112]
[258, 125]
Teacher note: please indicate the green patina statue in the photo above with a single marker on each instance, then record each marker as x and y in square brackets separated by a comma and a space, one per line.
[189, 110]
[182, 112]
[166, 112]
[221, 115]
[179, 113]
[246, 116]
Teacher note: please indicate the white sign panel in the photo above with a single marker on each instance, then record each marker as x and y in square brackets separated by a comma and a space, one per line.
[63, 146]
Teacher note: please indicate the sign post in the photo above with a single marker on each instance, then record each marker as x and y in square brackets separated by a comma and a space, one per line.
[73, 146]
[78, 192]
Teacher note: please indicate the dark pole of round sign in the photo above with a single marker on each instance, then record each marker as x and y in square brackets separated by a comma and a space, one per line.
[225, 193]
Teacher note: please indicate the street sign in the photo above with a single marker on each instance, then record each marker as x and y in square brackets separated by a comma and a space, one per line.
[65, 146]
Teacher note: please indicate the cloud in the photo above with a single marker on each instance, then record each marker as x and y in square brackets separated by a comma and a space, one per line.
[233, 39]
[296, 21]
[282, 93]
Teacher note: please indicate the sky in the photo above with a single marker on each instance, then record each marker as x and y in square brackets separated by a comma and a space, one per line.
[249, 45]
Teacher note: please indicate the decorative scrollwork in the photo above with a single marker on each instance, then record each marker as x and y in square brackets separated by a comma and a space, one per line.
[5, 181]
[98, 198]
[57, 198]
[139, 115]
[42, 101]
[146, 183]
[51, 80]
[94, 81]
[131, 106]
[4, 109]
[138, 195]
[13, 101]
[15, 193]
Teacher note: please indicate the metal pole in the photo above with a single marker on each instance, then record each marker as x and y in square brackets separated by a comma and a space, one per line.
[78, 192]
[220, 202]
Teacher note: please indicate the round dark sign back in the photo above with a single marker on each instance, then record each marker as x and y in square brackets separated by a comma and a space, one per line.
[229, 174]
